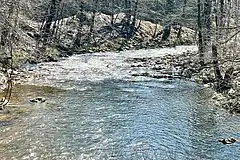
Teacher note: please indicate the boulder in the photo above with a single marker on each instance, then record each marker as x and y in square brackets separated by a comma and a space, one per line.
[227, 140]
[38, 100]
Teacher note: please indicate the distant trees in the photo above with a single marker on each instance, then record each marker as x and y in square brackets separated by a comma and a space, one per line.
[169, 6]
[157, 11]
[207, 25]
[211, 19]
[81, 18]
[215, 21]
[94, 11]
[163, 12]
[204, 27]
[129, 23]
[9, 14]
[52, 13]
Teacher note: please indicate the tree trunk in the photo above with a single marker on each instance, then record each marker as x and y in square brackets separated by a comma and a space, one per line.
[155, 31]
[200, 36]
[133, 24]
[5, 30]
[227, 79]
[47, 26]
[207, 23]
[216, 67]
[221, 13]
[77, 41]
[166, 32]
[222, 84]
[184, 8]
[4, 35]
[215, 62]
[112, 13]
[127, 24]
[169, 6]
[93, 16]
[81, 19]
[58, 12]
[179, 34]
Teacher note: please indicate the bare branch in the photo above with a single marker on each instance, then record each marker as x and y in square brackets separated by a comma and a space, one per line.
[229, 38]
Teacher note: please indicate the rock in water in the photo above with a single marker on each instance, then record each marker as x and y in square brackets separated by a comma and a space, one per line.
[227, 140]
[38, 100]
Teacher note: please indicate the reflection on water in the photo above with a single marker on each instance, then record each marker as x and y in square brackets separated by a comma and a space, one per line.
[114, 118]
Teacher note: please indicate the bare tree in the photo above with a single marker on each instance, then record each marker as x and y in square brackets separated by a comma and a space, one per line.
[8, 38]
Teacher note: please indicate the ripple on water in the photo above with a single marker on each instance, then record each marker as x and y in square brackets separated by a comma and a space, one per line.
[103, 113]
[119, 120]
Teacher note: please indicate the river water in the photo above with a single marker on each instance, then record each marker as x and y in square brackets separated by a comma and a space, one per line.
[96, 110]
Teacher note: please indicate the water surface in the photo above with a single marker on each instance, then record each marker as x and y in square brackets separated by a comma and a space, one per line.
[96, 110]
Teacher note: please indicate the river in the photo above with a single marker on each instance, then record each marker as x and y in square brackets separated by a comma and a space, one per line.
[96, 110]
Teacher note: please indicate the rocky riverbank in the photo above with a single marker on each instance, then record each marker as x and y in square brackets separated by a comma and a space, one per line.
[186, 66]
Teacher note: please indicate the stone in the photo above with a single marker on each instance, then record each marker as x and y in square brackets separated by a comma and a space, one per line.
[38, 100]
[227, 140]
